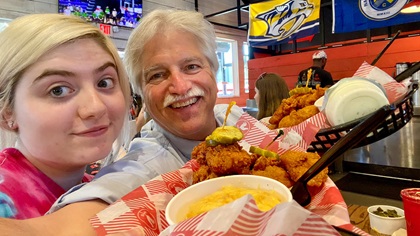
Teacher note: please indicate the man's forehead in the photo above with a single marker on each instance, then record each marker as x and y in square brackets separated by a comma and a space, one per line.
[178, 62]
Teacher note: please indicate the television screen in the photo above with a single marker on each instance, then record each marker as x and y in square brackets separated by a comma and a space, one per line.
[126, 13]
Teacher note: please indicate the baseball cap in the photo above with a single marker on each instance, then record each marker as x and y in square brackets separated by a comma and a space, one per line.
[319, 55]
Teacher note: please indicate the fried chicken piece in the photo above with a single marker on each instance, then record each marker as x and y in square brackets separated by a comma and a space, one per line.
[199, 153]
[229, 159]
[262, 162]
[293, 104]
[287, 105]
[276, 173]
[297, 163]
[310, 98]
[203, 173]
[296, 117]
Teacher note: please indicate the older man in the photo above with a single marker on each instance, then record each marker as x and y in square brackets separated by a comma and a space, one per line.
[171, 60]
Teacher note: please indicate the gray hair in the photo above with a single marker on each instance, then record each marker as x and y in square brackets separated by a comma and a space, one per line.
[159, 21]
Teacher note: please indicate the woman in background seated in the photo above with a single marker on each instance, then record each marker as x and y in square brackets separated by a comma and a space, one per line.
[65, 96]
[270, 90]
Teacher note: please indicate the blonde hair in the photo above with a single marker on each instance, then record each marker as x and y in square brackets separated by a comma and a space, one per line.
[159, 22]
[30, 37]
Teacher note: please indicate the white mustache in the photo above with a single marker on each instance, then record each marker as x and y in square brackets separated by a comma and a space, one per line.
[194, 92]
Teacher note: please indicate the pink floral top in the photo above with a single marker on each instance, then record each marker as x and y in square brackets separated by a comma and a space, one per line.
[25, 192]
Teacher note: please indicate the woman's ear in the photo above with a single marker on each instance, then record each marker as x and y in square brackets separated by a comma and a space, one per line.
[8, 121]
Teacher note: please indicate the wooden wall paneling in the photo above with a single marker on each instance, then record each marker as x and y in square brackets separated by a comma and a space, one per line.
[342, 62]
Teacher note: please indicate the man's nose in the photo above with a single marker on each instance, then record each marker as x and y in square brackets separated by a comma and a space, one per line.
[180, 83]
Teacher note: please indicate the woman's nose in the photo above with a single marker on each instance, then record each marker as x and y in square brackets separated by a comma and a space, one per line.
[91, 105]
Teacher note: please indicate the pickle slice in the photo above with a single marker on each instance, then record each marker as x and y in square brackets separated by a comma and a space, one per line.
[264, 152]
[224, 135]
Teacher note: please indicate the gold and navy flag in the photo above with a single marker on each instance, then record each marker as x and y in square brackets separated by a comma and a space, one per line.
[279, 21]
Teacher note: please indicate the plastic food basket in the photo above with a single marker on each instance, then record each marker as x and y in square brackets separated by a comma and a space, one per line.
[402, 114]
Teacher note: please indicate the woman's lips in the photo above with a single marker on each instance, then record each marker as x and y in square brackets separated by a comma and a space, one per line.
[93, 132]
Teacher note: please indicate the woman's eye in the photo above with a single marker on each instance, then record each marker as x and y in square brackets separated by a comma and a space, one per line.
[106, 83]
[60, 91]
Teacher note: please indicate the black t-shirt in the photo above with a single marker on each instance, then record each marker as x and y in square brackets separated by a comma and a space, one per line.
[319, 76]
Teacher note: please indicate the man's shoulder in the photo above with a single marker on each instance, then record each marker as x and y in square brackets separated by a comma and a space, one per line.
[319, 70]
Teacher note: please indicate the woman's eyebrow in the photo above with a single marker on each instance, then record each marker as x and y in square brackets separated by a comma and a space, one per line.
[106, 65]
[49, 72]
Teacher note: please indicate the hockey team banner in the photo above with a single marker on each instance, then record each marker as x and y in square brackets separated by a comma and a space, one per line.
[279, 21]
[355, 15]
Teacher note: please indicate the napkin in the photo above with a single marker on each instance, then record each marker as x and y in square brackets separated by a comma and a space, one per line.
[394, 90]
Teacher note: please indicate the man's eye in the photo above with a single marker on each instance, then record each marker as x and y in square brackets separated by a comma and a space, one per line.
[106, 83]
[60, 91]
[192, 67]
[156, 76]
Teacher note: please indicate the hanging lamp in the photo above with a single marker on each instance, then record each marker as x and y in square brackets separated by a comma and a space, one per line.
[411, 7]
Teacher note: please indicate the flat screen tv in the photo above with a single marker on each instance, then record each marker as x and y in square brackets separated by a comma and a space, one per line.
[125, 13]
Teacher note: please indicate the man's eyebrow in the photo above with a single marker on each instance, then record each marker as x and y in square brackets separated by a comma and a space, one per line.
[154, 67]
[190, 59]
[66, 73]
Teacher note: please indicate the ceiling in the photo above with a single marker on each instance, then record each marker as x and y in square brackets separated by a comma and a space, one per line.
[228, 13]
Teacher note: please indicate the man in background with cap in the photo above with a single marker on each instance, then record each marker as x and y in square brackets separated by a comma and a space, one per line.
[317, 74]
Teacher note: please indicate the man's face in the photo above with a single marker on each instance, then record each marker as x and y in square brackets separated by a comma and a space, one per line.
[324, 63]
[179, 89]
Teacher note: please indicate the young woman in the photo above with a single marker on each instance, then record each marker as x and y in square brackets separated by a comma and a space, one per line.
[270, 90]
[65, 96]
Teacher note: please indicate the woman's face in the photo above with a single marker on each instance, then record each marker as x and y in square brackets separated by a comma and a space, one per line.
[69, 107]
[257, 96]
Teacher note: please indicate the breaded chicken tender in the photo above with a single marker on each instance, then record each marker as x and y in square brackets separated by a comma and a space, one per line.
[294, 104]
[297, 163]
[297, 117]
[275, 172]
[203, 173]
[199, 153]
[262, 162]
[224, 159]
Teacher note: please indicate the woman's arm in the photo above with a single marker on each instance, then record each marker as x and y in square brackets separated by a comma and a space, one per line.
[70, 220]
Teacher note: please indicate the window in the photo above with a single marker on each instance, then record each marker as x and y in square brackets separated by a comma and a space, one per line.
[245, 49]
[227, 77]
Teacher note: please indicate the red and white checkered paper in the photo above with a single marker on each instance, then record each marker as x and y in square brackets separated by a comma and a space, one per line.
[142, 211]
[394, 90]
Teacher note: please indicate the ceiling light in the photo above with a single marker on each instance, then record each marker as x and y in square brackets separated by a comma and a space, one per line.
[412, 7]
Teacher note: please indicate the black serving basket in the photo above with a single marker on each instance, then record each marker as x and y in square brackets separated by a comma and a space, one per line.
[327, 137]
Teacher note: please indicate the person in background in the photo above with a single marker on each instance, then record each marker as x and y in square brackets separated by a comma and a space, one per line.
[270, 90]
[172, 63]
[316, 73]
[65, 96]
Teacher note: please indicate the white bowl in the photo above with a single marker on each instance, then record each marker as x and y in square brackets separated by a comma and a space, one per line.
[353, 98]
[386, 225]
[178, 206]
